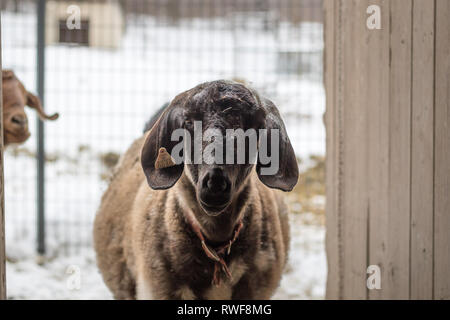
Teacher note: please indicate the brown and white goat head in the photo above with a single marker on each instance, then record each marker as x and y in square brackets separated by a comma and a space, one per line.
[15, 98]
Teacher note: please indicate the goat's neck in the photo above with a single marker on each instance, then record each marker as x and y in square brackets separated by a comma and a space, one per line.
[217, 229]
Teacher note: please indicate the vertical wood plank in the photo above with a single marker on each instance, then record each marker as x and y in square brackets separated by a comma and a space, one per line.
[396, 273]
[2, 197]
[376, 98]
[442, 153]
[339, 146]
[422, 152]
[355, 150]
[339, 142]
[332, 247]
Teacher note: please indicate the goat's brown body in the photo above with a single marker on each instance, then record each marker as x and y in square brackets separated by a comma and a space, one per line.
[147, 250]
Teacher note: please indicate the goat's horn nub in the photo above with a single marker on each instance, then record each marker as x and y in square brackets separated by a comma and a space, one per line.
[164, 159]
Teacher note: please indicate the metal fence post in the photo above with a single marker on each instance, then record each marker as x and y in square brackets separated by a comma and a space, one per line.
[40, 128]
[2, 188]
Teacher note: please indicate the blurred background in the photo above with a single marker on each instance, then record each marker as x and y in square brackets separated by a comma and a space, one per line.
[108, 77]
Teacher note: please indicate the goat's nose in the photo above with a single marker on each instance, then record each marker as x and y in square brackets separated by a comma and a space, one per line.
[19, 120]
[216, 182]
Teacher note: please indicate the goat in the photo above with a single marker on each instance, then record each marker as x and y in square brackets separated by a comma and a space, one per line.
[201, 231]
[15, 98]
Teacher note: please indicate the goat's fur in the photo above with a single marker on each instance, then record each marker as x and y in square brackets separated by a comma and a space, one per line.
[146, 249]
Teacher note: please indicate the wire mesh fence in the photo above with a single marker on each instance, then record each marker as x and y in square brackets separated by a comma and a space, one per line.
[120, 63]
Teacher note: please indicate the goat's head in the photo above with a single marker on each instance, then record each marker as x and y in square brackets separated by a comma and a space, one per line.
[222, 125]
[15, 98]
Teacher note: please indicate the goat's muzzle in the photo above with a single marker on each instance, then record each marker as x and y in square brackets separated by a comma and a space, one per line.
[215, 191]
[16, 128]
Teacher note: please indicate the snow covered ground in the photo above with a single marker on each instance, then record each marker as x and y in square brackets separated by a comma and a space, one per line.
[77, 276]
[104, 97]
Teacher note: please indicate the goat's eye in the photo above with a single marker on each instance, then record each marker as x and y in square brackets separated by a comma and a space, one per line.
[188, 123]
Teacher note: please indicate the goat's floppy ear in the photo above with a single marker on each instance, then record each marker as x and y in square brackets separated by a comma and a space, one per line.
[162, 173]
[35, 103]
[286, 177]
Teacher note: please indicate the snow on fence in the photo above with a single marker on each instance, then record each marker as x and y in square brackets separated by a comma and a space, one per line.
[104, 95]
[388, 142]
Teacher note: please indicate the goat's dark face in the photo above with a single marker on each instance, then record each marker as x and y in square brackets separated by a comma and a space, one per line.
[215, 111]
[15, 98]
[213, 117]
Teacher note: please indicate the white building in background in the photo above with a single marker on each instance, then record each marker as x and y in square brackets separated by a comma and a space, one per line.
[97, 23]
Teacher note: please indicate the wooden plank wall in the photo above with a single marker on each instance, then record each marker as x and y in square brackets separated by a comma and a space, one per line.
[388, 148]
[441, 224]
[2, 207]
